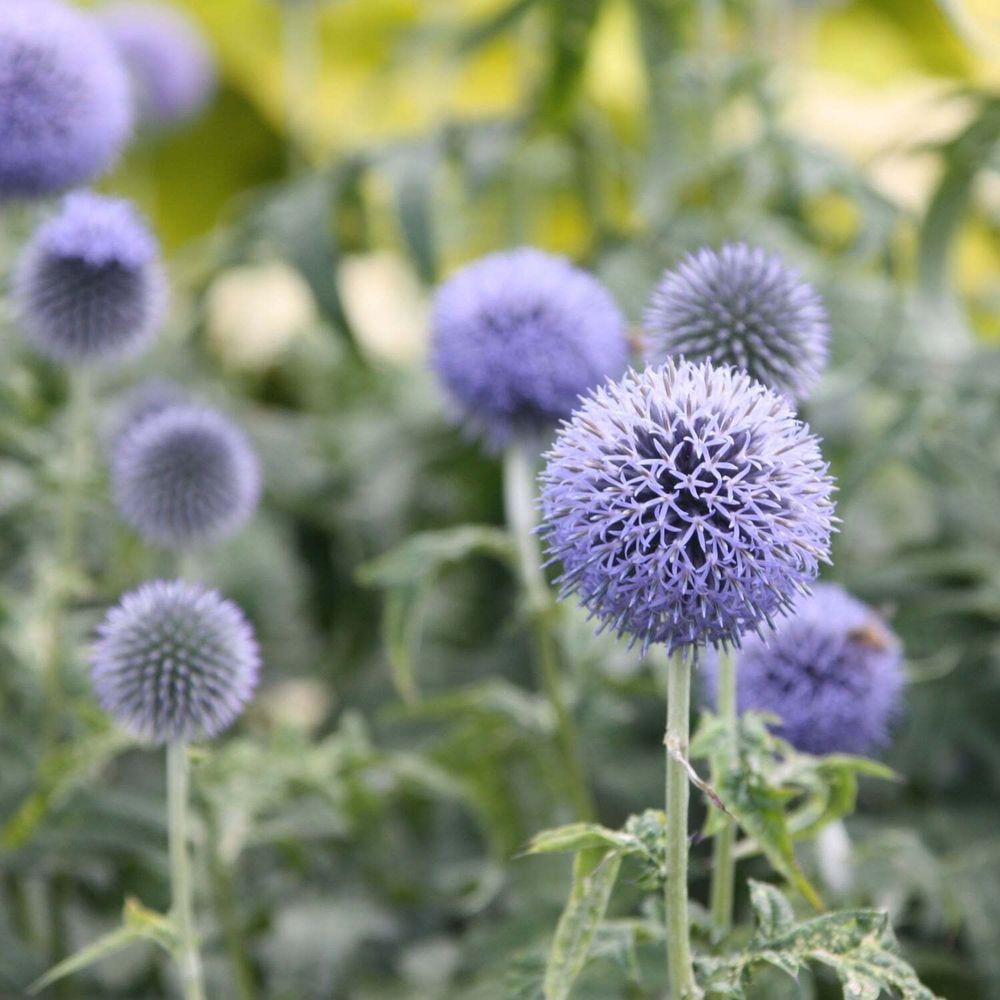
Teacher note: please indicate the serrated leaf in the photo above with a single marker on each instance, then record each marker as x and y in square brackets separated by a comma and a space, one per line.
[858, 945]
[594, 875]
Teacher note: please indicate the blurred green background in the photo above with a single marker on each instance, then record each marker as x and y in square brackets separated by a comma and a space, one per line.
[359, 830]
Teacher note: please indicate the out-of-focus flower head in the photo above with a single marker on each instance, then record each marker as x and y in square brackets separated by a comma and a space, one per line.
[65, 102]
[687, 505]
[171, 64]
[174, 662]
[185, 476]
[147, 399]
[518, 336]
[89, 286]
[832, 671]
[744, 307]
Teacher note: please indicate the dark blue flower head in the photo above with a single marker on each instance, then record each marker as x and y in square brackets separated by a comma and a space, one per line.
[167, 55]
[174, 661]
[518, 336]
[741, 306]
[687, 505]
[832, 672]
[89, 285]
[65, 102]
[184, 476]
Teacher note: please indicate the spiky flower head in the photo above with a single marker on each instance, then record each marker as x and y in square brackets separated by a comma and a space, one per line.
[185, 476]
[686, 504]
[832, 672]
[89, 286]
[518, 336]
[174, 661]
[744, 307]
[65, 102]
[167, 56]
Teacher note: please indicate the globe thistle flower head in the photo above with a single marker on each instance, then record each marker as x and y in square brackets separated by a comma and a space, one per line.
[65, 102]
[89, 286]
[832, 672]
[687, 505]
[184, 476]
[741, 306]
[518, 336]
[174, 662]
[171, 65]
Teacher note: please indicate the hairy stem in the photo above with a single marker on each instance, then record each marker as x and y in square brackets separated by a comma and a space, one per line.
[679, 967]
[188, 958]
[522, 520]
[723, 862]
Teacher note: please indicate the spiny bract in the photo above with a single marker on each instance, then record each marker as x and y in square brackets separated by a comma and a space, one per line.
[174, 661]
[518, 336]
[185, 475]
[832, 671]
[744, 307]
[169, 60]
[686, 504]
[89, 286]
[65, 101]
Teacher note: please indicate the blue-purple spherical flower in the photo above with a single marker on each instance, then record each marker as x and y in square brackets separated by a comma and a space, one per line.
[518, 336]
[686, 504]
[832, 671]
[171, 65]
[185, 476]
[65, 100]
[744, 307]
[174, 661]
[89, 286]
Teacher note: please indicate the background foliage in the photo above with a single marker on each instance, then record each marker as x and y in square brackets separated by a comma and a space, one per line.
[361, 832]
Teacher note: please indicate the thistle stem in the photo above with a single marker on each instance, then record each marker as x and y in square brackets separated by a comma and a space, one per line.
[61, 580]
[522, 520]
[182, 909]
[723, 862]
[679, 967]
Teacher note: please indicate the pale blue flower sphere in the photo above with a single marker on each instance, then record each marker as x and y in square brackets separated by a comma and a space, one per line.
[687, 505]
[185, 476]
[65, 100]
[832, 671]
[174, 661]
[744, 307]
[170, 62]
[89, 286]
[518, 336]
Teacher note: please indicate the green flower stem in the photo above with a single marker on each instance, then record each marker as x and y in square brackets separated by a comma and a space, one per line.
[61, 581]
[300, 57]
[723, 862]
[182, 909]
[679, 967]
[522, 520]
